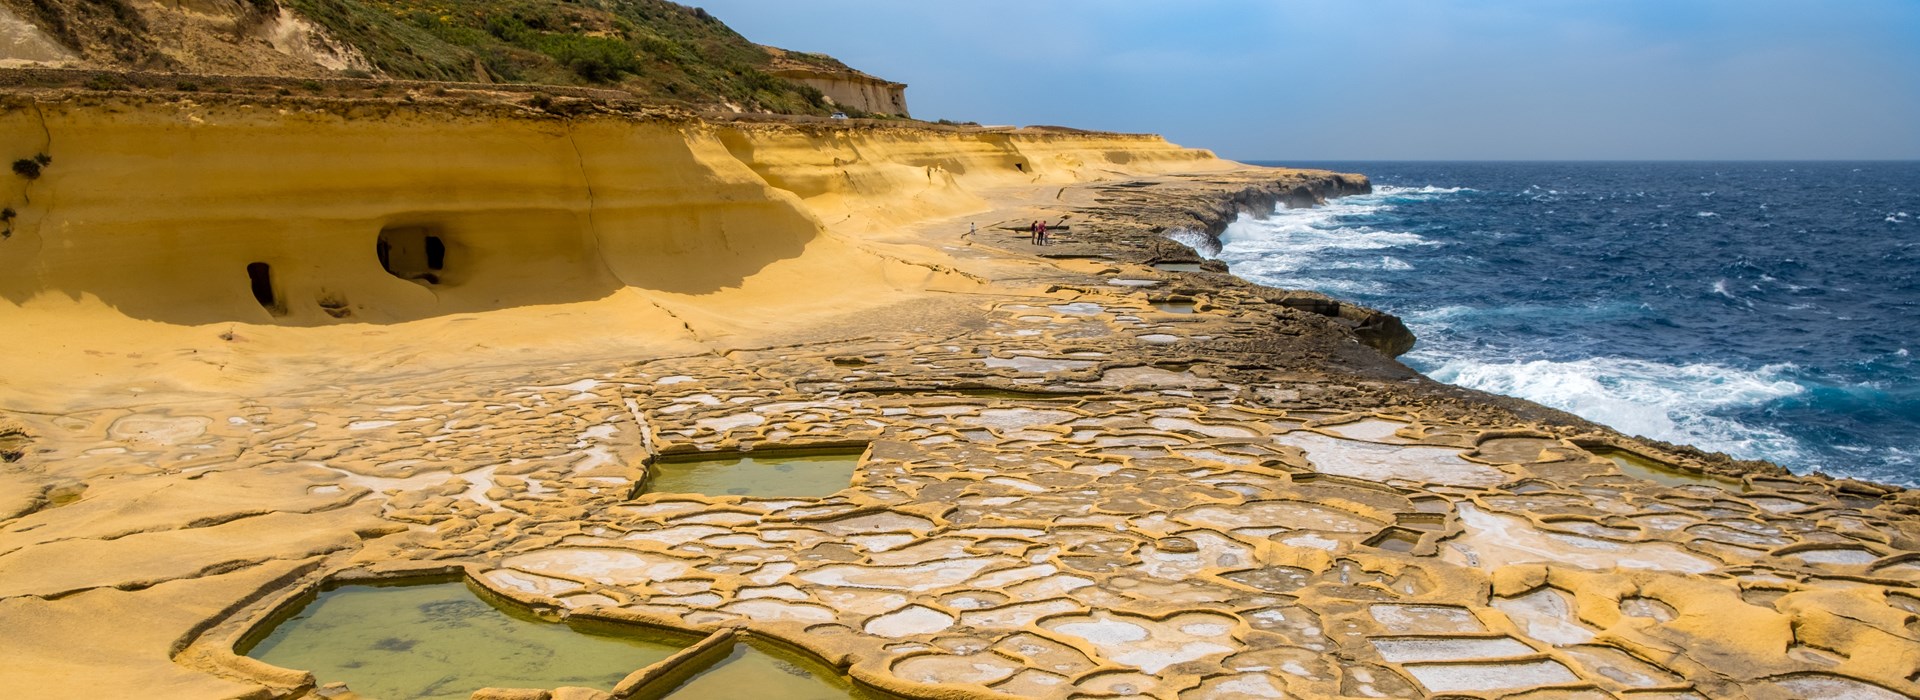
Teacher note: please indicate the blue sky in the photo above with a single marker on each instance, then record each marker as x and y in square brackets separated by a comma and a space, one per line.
[1398, 79]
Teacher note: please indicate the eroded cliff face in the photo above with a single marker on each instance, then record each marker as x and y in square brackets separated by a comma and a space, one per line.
[858, 91]
[158, 211]
[198, 211]
[190, 36]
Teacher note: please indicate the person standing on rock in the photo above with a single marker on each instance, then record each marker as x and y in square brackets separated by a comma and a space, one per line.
[1043, 232]
[1033, 233]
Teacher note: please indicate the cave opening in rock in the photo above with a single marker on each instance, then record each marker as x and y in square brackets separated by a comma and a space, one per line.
[260, 278]
[412, 253]
[436, 253]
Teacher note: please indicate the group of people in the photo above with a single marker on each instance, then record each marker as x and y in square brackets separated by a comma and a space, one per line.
[1037, 230]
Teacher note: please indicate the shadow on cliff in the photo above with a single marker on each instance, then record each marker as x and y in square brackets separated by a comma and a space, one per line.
[415, 266]
[344, 223]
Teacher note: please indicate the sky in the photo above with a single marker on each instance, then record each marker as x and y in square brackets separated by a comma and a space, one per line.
[1398, 79]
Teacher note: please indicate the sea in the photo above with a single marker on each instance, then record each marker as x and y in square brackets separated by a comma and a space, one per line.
[1765, 310]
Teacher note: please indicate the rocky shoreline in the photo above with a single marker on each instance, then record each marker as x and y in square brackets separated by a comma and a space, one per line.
[1143, 226]
[1098, 468]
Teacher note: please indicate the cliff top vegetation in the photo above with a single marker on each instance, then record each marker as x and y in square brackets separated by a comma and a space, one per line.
[654, 49]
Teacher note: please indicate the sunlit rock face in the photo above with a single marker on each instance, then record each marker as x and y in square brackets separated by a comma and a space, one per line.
[1047, 485]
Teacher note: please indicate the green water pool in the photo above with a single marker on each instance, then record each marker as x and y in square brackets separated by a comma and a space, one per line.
[442, 640]
[772, 673]
[1658, 472]
[759, 475]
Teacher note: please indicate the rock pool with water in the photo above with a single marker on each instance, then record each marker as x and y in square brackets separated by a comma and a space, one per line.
[440, 641]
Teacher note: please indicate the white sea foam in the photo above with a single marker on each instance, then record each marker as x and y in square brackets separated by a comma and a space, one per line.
[1417, 193]
[1199, 241]
[1300, 248]
[1664, 401]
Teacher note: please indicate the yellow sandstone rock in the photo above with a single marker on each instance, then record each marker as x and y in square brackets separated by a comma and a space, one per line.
[259, 345]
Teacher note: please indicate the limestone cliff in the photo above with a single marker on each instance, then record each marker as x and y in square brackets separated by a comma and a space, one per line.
[317, 212]
[843, 86]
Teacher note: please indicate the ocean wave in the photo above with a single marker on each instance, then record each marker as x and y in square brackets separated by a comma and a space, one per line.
[1414, 194]
[1306, 240]
[1199, 241]
[1436, 319]
[1322, 260]
[1424, 189]
[1321, 248]
[1630, 261]
[1676, 403]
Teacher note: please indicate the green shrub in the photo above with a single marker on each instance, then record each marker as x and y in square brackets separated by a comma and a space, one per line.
[27, 168]
[651, 48]
[593, 58]
[103, 81]
[814, 97]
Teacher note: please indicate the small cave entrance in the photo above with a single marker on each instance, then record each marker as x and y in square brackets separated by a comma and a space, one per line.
[260, 280]
[1022, 167]
[412, 253]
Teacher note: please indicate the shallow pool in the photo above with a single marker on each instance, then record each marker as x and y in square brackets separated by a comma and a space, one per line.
[760, 475]
[442, 640]
[1639, 467]
[753, 671]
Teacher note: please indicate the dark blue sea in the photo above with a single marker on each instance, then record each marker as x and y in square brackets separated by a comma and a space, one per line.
[1765, 310]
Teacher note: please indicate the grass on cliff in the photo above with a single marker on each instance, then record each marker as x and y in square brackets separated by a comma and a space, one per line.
[651, 48]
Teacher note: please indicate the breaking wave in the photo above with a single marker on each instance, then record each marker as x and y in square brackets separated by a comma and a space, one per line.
[1677, 403]
[1199, 241]
[1773, 323]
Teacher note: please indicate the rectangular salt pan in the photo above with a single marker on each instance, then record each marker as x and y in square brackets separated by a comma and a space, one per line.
[1449, 649]
[756, 475]
[1443, 678]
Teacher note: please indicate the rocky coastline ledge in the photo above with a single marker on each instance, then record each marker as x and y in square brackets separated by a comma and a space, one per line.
[1100, 468]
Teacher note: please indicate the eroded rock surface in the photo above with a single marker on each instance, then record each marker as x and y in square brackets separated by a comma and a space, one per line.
[1122, 539]
[1067, 490]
